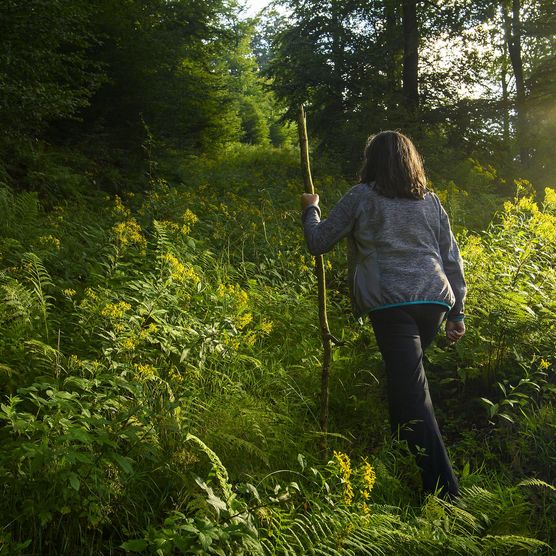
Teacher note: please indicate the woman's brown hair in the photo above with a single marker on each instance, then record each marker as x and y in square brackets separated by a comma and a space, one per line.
[393, 163]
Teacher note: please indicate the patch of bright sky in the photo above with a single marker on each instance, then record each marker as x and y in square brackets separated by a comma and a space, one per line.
[253, 7]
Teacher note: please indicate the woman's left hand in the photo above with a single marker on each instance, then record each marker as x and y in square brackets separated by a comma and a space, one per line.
[309, 199]
[455, 330]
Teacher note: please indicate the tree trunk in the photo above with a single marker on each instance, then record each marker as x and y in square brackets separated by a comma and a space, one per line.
[392, 45]
[335, 114]
[505, 98]
[512, 28]
[410, 87]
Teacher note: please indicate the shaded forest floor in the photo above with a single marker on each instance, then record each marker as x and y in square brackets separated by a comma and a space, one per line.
[160, 355]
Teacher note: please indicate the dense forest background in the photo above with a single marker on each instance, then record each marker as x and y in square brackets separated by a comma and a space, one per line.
[159, 342]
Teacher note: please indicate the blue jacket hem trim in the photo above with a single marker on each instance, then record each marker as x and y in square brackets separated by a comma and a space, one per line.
[410, 303]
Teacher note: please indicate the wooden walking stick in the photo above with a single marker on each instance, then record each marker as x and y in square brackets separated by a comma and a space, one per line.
[327, 338]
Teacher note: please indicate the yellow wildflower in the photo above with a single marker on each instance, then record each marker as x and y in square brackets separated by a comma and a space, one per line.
[250, 338]
[169, 224]
[146, 332]
[120, 209]
[550, 198]
[129, 344]
[369, 479]
[179, 272]
[91, 294]
[95, 365]
[266, 326]
[129, 233]
[543, 364]
[544, 226]
[243, 320]
[145, 371]
[523, 187]
[344, 464]
[50, 241]
[74, 361]
[238, 295]
[443, 196]
[175, 375]
[115, 310]
[304, 264]
[231, 342]
[190, 217]
[527, 203]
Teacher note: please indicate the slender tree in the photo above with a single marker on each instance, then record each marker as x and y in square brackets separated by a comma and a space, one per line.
[511, 10]
[411, 54]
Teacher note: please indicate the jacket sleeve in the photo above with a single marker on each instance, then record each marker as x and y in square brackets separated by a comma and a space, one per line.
[453, 266]
[322, 235]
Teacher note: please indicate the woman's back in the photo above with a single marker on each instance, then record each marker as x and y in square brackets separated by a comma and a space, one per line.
[395, 247]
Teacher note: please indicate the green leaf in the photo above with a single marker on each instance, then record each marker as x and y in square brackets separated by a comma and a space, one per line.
[135, 545]
[506, 416]
[466, 469]
[205, 540]
[217, 503]
[79, 434]
[74, 481]
[123, 462]
[45, 517]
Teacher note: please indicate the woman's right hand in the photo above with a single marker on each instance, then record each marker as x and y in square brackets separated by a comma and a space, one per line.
[309, 199]
[455, 330]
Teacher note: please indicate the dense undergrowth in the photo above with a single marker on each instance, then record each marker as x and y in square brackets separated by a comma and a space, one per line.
[159, 354]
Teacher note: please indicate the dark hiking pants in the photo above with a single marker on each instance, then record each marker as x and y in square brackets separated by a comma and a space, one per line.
[403, 333]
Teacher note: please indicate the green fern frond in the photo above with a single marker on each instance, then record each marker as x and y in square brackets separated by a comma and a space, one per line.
[163, 240]
[16, 301]
[18, 213]
[510, 544]
[26, 207]
[47, 356]
[6, 370]
[218, 468]
[536, 483]
[41, 281]
[245, 446]
[40, 278]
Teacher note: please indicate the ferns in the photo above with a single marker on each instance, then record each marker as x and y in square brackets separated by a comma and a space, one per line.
[163, 241]
[337, 531]
[536, 483]
[16, 302]
[512, 544]
[219, 470]
[40, 281]
[19, 213]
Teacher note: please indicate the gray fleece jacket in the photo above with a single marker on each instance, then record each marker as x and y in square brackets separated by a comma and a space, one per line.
[400, 251]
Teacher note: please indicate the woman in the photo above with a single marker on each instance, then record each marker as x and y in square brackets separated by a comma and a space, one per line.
[406, 273]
